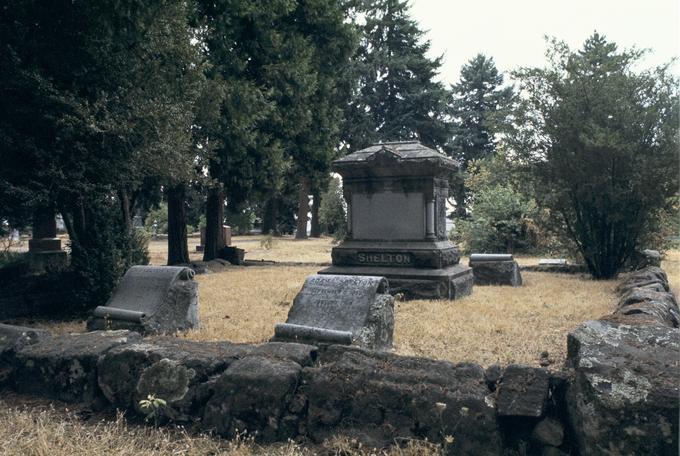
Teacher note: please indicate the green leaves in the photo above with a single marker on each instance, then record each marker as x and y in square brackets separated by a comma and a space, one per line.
[397, 96]
[602, 140]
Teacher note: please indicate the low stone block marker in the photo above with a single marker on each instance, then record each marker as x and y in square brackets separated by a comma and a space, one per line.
[151, 300]
[341, 309]
[495, 269]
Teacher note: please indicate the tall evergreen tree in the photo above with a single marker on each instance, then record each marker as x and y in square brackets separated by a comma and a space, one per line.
[397, 96]
[97, 101]
[603, 143]
[480, 106]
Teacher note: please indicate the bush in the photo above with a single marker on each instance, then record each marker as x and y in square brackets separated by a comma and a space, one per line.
[332, 211]
[501, 221]
[157, 220]
[101, 255]
[241, 221]
[503, 217]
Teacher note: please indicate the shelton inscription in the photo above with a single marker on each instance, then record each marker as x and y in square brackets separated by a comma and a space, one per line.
[384, 258]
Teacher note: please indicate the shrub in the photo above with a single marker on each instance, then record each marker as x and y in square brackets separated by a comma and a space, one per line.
[102, 254]
[501, 221]
[332, 211]
[157, 220]
[503, 217]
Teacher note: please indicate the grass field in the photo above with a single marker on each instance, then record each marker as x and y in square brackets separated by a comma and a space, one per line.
[242, 304]
[493, 325]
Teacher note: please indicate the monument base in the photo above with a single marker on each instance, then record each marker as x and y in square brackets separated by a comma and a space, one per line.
[55, 260]
[452, 282]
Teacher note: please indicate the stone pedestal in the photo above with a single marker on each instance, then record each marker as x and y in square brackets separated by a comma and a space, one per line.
[44, 247]
[396, 210]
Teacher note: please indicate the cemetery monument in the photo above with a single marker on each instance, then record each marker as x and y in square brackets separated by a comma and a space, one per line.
[396, 212]
[44, 247]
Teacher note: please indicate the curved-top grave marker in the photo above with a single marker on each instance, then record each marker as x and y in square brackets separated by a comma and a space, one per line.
[151, 299]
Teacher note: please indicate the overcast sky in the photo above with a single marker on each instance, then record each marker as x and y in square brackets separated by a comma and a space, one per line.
[511, 31]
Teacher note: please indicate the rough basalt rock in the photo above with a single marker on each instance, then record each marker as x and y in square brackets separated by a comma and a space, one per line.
[255, 394]
[643, 277]
[646, 306]
[624, 398]
[523, 391]
[13, 338]
[378, 397]
[65, 367]
[179, 371]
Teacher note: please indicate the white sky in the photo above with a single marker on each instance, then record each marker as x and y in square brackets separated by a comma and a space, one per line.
[512, 31]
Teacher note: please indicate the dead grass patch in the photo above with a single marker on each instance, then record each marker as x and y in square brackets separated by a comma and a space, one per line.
[671, 264]
[35, 427]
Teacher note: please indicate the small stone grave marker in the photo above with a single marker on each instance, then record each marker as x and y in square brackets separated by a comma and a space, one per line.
[151, 299]
[495, 269]
[341, 309]
[552, 262]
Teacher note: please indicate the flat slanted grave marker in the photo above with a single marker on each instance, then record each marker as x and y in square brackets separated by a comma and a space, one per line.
[552, 262]
[341, 309]
[151, 299]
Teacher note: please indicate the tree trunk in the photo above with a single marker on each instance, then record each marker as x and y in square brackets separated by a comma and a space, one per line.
[178, 250]
[269, 216]
[125, 209]
[315, 230]
[214, 217]
[303, 209]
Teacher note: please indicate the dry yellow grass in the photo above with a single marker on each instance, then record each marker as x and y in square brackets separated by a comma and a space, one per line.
[281, 249]
[30, 427]
[493, 325]
[671, 264]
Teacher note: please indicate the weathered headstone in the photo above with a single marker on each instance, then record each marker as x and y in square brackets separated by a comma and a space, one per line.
[44, 247]
[151, 299]
[396, 209]
[557, 265]
[341, 309]
[495, 269]
[226, 238]
[226, 235]
[200, 247]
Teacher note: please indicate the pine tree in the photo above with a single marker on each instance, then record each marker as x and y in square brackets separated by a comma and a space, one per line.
[479, 107]
[397, 96]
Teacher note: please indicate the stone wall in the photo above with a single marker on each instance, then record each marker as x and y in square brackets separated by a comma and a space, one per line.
[618, 393]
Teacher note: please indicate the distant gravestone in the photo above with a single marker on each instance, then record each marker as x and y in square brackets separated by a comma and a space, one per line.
[226, 237]
[495, 269]
[552, 262]
[341, 309]
[151, 299]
